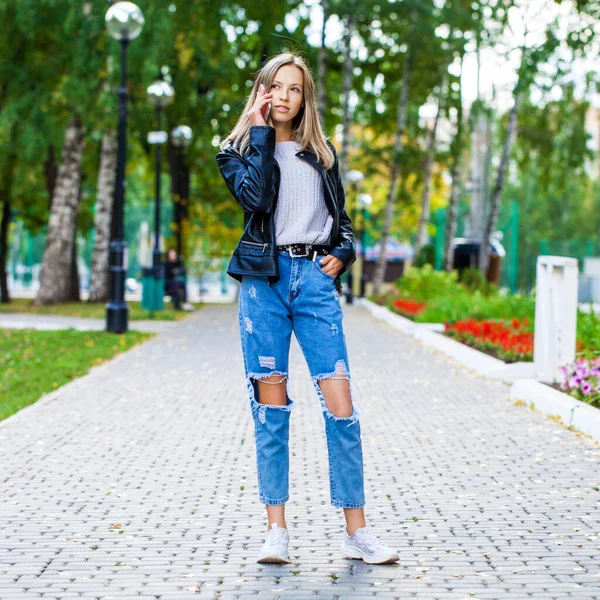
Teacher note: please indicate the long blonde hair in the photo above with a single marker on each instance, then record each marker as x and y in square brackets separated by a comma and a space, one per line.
[306, 124]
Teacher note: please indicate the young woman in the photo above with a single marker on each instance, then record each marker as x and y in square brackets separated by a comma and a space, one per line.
[296, 244]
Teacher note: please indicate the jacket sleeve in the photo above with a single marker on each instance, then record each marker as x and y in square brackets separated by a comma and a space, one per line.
[345, 249]
[250, 178]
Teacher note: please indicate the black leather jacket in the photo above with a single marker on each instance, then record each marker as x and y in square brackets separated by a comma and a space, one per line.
[254, 182]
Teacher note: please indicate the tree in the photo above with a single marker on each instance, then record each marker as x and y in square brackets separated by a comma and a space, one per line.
[531, 58]
[56, 270]
[102, 218]
[426, 197]
[456, 151]
[402, 110]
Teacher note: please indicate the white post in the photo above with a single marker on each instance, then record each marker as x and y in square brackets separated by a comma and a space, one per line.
[144, 249]
[555, 315]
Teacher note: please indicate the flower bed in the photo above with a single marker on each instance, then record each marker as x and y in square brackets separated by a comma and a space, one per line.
[582, 380]
[507, 340]
[497, 323]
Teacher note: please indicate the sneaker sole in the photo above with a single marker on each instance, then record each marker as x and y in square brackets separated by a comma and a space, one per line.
[273, 560]
[356, 553]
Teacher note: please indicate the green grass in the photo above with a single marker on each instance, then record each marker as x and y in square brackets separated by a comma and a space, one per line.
[90, 311]
[37, 362]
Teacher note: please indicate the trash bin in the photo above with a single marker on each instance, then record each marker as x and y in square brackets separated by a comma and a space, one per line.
[153, 288]
[466, 255]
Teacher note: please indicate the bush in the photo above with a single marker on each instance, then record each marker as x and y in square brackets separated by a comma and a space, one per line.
[448, 300]
[425, 257]
[425, 283]
[474, 279]
[588, 333]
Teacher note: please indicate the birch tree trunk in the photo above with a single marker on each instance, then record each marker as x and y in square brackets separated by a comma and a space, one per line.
[492, 220]
[426, 197]
[380, 268]
[323, 65]
[55, 278]
[456, 176]
[347, 88]
[451, 218]
[102, 217]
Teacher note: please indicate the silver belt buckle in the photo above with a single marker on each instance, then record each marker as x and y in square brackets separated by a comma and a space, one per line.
[307, 252]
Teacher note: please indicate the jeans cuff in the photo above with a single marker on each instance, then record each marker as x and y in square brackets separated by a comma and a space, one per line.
[270, 502]
[341, 504]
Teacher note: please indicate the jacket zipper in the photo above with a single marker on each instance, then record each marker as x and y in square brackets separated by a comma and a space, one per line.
[264, 245]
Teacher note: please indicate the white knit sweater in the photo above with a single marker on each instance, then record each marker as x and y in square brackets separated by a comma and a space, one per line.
[301, 215]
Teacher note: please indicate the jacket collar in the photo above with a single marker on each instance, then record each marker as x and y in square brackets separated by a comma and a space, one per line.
[310, 157]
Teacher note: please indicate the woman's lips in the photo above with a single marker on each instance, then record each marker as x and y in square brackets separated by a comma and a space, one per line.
[282, 108]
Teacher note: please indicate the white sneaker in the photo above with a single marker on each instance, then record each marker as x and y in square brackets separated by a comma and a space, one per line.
[363, 543]
[188, 306]
[275, 548]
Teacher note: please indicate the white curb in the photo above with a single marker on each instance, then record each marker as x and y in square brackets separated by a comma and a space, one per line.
[573, 412]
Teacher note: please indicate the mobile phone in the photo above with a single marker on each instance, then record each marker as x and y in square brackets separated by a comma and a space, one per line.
[268, 112]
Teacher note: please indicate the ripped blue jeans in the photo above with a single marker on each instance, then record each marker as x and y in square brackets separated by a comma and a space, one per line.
[306, 301]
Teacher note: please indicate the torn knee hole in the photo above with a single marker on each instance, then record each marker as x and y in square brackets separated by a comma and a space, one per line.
[341, 405]
[267, 380]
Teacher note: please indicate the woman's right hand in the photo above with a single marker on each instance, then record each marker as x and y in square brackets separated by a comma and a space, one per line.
[258, 113]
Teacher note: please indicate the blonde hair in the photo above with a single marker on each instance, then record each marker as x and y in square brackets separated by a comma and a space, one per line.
[306, 124]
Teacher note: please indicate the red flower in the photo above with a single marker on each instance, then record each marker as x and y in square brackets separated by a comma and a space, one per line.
[408, 306]
[495, 334]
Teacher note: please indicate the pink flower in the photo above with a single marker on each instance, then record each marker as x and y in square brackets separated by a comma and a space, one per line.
[586, 388]
[582, 371]
[574, 382]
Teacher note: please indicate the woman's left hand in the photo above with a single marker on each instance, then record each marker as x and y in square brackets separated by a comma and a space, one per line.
[330, 264]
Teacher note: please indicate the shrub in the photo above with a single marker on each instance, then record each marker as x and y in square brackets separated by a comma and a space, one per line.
[426, 283]
[425, 257]
[473, 279]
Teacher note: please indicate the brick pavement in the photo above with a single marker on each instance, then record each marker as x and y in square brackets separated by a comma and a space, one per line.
[139, 481]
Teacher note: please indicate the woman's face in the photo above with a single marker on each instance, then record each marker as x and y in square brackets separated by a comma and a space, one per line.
[288, 93]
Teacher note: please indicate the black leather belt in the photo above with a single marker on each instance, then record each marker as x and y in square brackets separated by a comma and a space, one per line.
[310, 251]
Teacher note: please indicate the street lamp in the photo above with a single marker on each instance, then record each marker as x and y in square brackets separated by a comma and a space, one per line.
[181, 137]
[160, 94]
[124, 22]
[354, 178]
[363, 201]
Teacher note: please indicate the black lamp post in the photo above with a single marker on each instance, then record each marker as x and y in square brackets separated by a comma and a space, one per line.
[363, 201]
[124, 22]
[181, 137]
[160, 94]
[354, 178]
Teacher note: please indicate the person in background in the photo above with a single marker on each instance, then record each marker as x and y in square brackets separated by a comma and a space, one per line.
[175, 287]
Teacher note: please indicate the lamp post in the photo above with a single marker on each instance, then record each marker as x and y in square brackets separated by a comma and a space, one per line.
[354, 178]
[363, 201]
[124, 22]
[160, 94]
[181, 137]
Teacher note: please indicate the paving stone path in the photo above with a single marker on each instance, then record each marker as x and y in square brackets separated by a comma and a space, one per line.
[139, 481]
